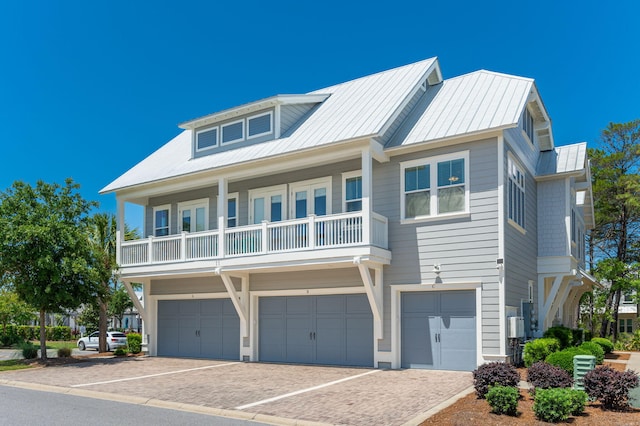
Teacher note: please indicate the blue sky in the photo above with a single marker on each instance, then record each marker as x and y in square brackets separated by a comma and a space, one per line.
[88, 89]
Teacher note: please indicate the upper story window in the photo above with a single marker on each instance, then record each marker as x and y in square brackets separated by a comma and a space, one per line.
[527, 124]
[435, 186]
[259, 125]
[267, 204]
[310, 197]
[516, 194]
[206, 139]
[232, 210]
[161, 220]
[352, 191]
[233, 132]
[194, 216]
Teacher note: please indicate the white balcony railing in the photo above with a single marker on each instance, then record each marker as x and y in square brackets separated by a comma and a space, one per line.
[310, 233]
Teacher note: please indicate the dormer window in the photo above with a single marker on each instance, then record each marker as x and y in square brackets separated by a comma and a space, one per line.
[206, 139]
[527, 124]
[233, 132]
[259, 125]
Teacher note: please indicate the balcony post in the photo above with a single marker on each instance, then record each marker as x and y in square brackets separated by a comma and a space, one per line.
[120, 229]
[367, 191]
[183, 246]
[222, 215]
[312, 231]
[150, 249]
[265, 233]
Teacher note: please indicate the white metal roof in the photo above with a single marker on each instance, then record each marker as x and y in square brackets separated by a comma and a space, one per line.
[479, 101]
[564, 159]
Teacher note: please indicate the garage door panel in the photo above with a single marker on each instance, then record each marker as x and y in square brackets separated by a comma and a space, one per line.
[330, 305]
[357, 304]
[330, 339]
[458, 302]
[272, 342]
[359, 341]
[420, 302]
[418, 341]
[298, 336]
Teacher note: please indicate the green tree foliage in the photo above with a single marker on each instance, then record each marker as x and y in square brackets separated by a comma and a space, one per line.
[615, 241]
[89, 316]
[13, 310]
[120, 303]
[44, 249]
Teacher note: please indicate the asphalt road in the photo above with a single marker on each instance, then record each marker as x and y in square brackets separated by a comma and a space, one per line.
[28, 407]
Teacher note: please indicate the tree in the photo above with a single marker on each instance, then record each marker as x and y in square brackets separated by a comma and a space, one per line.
[615, 240]
[120, 303]
[13, 310]
[44, 249]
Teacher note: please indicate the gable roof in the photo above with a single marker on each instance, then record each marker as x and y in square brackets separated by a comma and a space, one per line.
[564, 159]
[356, 109]
[475, 102]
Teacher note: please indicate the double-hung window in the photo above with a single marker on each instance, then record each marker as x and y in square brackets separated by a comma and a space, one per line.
[434, 187]
[516, 193]
[193, 215]
[352, 190]
[161, 220]
[232, 210]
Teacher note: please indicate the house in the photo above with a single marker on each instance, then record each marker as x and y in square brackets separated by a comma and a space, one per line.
[395, 220]
[628, 314]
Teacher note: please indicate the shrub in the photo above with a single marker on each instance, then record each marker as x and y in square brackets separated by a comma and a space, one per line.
[503, 400]
[563, 334]
[610, 386]
[564, 358]
[538, 350]
[578, 401]
[606, 344]
[588, 335]
[628, 341]
[545, 376]
[29, 350]
[121, 351]
[494, 374]
[134, 341]
[552, 405]
[595, 349]
[64, 352]
[577, 336]
[9, 339]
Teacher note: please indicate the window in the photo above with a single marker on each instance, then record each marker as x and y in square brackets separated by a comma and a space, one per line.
[233, 132]
[161, 220]
[232, 210]
[310, 197]
[193, 215]
[516, 193]
[625, 325]
[434, 187]
[352, 191]
[527, 123]
[267, 204]
[206, 139]
[259, 125]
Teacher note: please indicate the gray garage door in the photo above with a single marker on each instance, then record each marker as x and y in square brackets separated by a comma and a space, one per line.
[438, 330]
[198, 329]
[335, 330]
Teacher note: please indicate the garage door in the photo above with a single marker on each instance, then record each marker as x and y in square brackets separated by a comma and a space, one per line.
[198, 328]
[334, 330]
[438, 330]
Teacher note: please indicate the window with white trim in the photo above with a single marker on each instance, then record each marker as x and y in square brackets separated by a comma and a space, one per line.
[352, 191]
[232, 132]
[268, 204]
[625, 325]
[527, 124]
[161, 220]
[434, 187]
[310, 197]
[193, 216]
[259, 125]
[206, 139]
[232, 210]
[516, 193]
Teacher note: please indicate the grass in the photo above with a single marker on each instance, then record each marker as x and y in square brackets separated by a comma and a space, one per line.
[13, 364]
[57, 344]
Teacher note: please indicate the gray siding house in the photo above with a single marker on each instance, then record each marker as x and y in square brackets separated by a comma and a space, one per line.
[396, 220]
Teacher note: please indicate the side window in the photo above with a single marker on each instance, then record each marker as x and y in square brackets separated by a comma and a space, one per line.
[516, 193]
[232, 210]
[352, 191]
[161, 220]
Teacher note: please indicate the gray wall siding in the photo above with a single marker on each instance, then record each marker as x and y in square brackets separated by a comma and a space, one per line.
[552, 230]
[211, 193]
[291, 116]
[212, 284]
[520, 249]
[522, 148]
[346, 277]
[467, 248]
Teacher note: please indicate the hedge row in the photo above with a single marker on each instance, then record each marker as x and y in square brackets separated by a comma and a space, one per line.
[32, 332]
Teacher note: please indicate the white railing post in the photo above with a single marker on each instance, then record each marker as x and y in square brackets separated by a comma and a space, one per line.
[312, 231]
[118, 248]
[222, 216]
[367, 190]
[151, 249]
[183, 246]
[264, 232]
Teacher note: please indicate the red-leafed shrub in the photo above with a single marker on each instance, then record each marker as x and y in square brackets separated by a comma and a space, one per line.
[610, 386]
[546, 376]
[494, 374]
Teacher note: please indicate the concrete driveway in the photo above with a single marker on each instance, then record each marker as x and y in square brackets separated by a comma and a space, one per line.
[275, 393]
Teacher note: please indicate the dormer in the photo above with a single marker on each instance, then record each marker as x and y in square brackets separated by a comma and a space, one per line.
[535, 123]
[249, 124]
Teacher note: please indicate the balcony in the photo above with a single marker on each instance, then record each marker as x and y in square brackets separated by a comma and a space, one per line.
[345, 230]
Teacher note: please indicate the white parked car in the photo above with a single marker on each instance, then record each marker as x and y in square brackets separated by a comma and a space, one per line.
[115, 339]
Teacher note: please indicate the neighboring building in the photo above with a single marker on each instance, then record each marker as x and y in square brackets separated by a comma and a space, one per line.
[627, 314]
[393, 220]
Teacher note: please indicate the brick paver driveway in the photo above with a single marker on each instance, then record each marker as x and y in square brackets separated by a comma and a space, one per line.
[336, 395]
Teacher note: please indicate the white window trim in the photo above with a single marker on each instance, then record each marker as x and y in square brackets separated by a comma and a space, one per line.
[433, 170]
[530, 138]
[157, 208]
[345, 176]
[194, 204]
[512, 160]
[310, 185]
[267, 193]
[226, 209]
[207, 130]
[257, 135]
[222, 126]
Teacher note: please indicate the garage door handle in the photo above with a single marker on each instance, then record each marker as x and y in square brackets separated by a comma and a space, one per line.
[314, 335]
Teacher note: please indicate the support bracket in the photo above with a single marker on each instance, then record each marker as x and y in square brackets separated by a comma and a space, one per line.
[374, 294]
[240, 303]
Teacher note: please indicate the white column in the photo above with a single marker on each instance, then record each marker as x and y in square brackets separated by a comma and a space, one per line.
[120, 228]
[367, 191]
[222, 214]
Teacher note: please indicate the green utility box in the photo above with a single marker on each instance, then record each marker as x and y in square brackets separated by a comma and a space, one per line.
[582, 364]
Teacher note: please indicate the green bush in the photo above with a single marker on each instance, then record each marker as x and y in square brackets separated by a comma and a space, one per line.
[121, 351]
[628, 341]
[29, 350]
[577, 336]
[64, 352]
[538, 350]
[578, 401]
[553, 405]
[563, 334]
[606, 344]
[9, 339]
[595, 349]
[564, 358]
[503, 400]
[134, 341]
